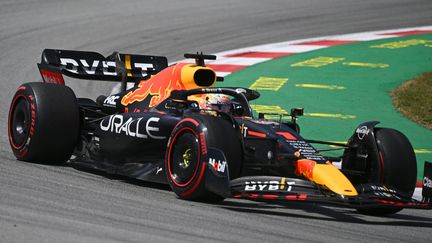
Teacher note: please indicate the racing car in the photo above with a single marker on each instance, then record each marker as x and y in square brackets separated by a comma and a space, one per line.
[176, 126]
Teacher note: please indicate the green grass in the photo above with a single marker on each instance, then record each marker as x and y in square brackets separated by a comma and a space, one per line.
[414, 99]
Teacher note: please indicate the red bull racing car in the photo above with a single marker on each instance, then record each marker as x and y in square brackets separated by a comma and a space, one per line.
[174, 126]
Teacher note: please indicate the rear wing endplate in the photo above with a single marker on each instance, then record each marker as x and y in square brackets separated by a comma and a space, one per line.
[94, 66]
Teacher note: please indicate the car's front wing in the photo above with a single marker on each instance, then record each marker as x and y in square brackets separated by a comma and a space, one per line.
[266, 188]
[274, 188]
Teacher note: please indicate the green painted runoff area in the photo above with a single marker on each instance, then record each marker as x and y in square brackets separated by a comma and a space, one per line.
[343, 86]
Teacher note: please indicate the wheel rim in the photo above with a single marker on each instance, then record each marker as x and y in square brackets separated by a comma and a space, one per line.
[187, 156]
[184, 159]
[20, 123]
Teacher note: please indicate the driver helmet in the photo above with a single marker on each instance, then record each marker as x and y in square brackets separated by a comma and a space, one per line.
[217, 102]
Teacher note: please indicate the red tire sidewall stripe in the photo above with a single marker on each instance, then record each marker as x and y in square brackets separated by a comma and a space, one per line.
[14, 146]
[169, 158]
[382, 167]
[189, 120]
[197, 183]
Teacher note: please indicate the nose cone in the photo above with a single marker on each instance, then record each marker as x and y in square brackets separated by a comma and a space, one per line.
[326, 175]
[329, 176]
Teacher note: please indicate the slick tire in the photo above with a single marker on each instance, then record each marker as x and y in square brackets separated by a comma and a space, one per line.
[43, 123]
[397, 166]
[184, 165]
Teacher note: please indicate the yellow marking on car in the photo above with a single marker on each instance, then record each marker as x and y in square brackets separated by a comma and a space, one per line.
[268, 83]
[335, 146]
[282, 183]
[128, 65]
[403, 44]
[344, 142]
[318, 62]
[369, 65]
[422, 151]
[320, 86]
[340, 116]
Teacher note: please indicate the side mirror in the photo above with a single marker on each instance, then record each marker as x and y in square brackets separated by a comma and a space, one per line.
[296, 112]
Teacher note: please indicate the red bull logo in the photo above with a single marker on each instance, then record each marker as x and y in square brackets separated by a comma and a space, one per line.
[158, 87]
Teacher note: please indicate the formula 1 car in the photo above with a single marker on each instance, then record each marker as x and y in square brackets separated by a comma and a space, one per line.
[166, 129]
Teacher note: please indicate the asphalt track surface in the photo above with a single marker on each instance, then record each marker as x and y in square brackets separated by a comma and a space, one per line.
[41, 203]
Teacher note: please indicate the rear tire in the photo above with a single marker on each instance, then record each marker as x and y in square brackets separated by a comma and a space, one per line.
[184, 164]
[44, 122]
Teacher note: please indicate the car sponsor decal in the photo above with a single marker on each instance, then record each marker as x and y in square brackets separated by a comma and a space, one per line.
[218, 165]
[270, 185]
[97, 66]
[362, 132]
[244, 130]
[33, 115]
[427, 181]
[383, 191]
[203, 143]
[110, 101]
[131, 127]
[305, 149]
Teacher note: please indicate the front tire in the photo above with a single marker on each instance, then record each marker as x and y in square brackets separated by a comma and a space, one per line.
[185, 164]
[43, 123]
[392, 163]
[398, 166]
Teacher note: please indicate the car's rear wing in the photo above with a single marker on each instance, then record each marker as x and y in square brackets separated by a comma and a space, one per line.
[94, 66]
